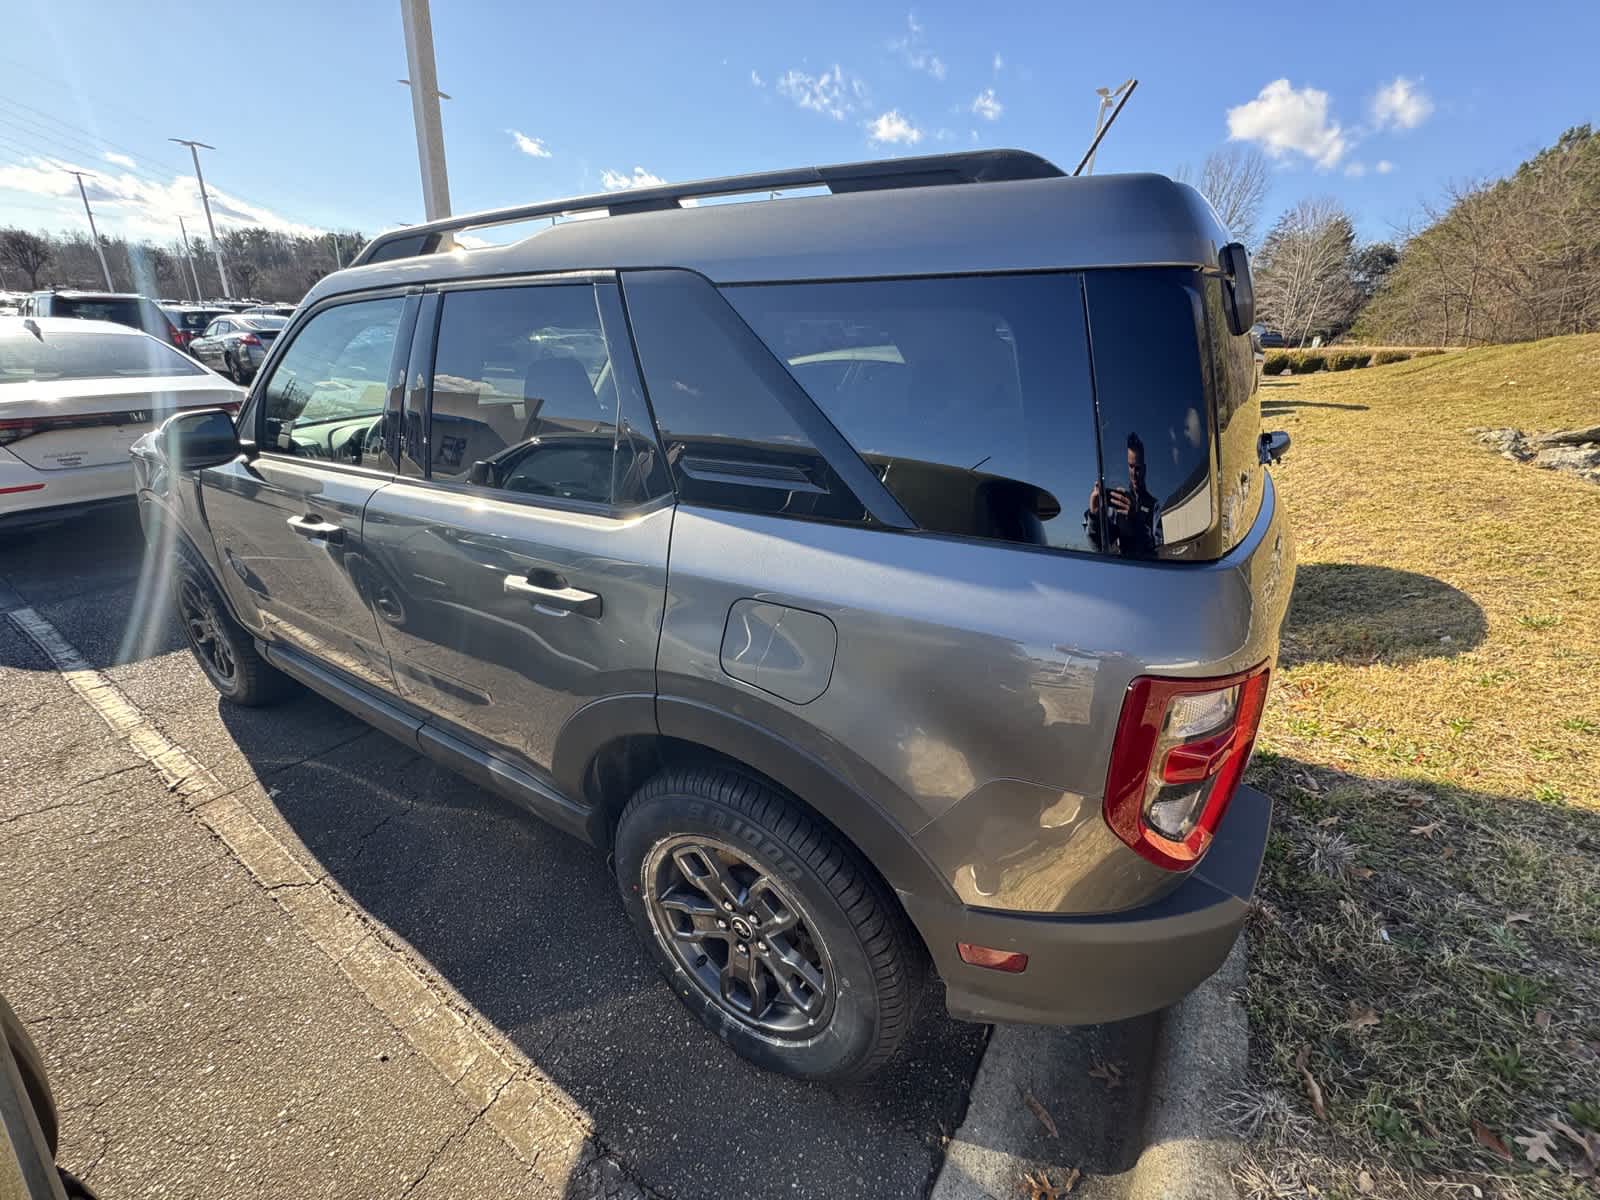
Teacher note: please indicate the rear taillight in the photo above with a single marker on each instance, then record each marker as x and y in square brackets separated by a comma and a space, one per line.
[1180, 751]
[250, 339]
[172, 334]
[17, 428]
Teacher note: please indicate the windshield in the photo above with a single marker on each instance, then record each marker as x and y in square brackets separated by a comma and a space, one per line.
[26, 358]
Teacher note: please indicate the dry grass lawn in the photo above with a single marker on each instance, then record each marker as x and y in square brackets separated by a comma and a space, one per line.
[1425, 956]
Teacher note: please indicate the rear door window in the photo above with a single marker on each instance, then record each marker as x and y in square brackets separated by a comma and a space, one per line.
[970, 398]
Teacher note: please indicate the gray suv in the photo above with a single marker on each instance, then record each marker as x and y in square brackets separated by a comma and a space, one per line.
[886, 579]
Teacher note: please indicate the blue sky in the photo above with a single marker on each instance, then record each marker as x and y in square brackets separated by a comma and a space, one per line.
[1378, 108]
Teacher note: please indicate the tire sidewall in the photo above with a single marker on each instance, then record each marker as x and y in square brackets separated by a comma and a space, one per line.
[851, 1032]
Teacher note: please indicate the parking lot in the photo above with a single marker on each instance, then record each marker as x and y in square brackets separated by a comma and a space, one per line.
[204, 1037]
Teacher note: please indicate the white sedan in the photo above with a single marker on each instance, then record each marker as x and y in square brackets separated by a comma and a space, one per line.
[74, 395]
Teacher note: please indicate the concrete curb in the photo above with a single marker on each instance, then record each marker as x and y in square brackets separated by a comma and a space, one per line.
[1202, 1053]
[1182, 1065]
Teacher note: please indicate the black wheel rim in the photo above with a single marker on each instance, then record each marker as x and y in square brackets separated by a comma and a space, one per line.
[740, 935]
[205, 632]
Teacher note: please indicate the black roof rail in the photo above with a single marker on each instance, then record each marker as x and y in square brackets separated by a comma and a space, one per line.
[931, 170]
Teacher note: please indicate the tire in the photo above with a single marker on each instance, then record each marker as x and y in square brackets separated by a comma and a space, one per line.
[31, 1067]
[233, 370]
[223, 648]
[803, 903]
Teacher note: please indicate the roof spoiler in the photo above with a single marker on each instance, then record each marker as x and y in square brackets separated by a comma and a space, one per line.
[932, 170]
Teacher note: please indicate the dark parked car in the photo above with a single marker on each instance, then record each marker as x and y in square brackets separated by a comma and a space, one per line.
[189, 322]
[235, 344]
[124, 308]
[823, 571]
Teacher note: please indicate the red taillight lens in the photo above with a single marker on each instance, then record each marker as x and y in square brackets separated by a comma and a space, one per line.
[1180, 751]
[250, 339]
[181, 338]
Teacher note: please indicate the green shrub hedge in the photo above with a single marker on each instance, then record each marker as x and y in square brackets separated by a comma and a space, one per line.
[1349, 360]
[1306, 362]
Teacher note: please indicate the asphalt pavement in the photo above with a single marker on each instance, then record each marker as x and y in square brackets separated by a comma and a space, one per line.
[201, 1044]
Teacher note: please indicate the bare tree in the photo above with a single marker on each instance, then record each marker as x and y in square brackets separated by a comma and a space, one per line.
[25, 251]
[1304, 280]
[1234, 179]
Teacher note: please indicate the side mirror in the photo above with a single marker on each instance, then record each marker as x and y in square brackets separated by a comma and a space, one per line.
[483, 474]
[1238, 290]
[202, 438]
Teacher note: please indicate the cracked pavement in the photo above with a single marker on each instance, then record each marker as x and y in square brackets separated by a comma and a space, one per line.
[201, 1044]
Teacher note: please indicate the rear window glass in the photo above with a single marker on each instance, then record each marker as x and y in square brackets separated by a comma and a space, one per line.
[25, 358]
[123, 312]
[969, 397]
[193, 321]
[1154, 423]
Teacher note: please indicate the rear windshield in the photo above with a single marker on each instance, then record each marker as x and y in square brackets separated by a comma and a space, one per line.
[970, 397]
[25, 358]
[123, 312]
[193, 321]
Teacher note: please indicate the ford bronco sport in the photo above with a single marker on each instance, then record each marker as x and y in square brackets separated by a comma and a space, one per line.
[887, 579]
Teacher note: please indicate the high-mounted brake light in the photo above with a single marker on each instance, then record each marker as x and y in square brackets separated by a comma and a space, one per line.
[1180, 751]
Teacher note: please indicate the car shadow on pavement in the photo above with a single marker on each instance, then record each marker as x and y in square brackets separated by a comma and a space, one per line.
[1356, 613]
[526, 923]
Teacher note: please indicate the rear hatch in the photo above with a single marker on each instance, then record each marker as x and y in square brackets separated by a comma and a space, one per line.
[91, 423]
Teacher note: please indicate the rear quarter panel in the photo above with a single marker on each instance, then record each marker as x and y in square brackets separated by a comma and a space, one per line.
[976, 686]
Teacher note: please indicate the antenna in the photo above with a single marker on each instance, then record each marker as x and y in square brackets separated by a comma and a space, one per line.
[1102, 123]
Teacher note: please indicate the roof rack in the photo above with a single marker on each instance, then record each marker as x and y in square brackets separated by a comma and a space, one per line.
[931, 170]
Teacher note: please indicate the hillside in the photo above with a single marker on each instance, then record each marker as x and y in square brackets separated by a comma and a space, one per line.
[1430, 909]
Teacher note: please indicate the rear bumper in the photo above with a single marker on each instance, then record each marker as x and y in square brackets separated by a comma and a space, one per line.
[29, 496]
[1088, 969]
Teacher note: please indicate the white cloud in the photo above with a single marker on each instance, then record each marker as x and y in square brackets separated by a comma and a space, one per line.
[1384, 166]
[999, 63]
[1355, 169]
[914, 50]
[892, 127]
[1401, 104]
[122, 160]
[616, 181]
[833, 92]
[531, 146]
[755, 78]
[987, 105]
[1284, 120]
[136, 206]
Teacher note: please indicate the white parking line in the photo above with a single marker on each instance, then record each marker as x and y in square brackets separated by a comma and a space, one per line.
[546, 1128]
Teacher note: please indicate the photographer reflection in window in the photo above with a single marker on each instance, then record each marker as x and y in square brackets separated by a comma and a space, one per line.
[1132, 513]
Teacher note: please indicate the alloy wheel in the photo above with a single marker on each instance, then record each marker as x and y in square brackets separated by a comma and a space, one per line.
[740, 935]
[205, 632]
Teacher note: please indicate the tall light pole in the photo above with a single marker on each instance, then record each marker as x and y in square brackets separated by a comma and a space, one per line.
[189, 258]
[1108, 98]
[205, 201]
[425, 97]
[94, 234]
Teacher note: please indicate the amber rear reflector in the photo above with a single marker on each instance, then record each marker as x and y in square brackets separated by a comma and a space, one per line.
[1010, 961]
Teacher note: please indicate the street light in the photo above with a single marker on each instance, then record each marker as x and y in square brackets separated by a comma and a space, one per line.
[205, 201]
[94, 234]
[425, 97]
[1108, 98]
